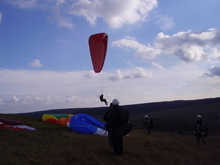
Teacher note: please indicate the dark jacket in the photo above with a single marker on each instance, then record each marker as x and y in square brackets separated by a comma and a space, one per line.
[106, 116]
[200, 126]
[101, 98]
[114, 119]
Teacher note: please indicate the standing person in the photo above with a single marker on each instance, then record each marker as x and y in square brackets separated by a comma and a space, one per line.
[106, 118]
[200, 130]
[148, 124]
[114, 122]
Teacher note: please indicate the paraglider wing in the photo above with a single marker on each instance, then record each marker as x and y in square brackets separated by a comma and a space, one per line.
[86, 124]
[15, 124]
[80, 122]
[98, 47]
[61, 119]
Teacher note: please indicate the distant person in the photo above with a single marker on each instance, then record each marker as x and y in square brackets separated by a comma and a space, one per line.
[200, 130]
[113, 123]
[106, 118]
[103, 100]
[148, 124]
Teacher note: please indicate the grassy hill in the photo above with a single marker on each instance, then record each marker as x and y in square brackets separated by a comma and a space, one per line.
[182, 119]
[170, 116]
[53, 144]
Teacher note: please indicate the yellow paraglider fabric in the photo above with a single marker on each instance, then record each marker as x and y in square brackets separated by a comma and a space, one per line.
[61, 119]
[48, 116]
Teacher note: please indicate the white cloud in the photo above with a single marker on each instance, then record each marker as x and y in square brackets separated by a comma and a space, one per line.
[214, 53]
[72, 98]
[0, 17]
[58, 15]
[45, 100]
[118, 76]
[130, 74]
[157, 65]
[22, 3]
[90, 74]
[1, 102]
[23, 90]
[141, 50]
[141, 73]
[115, 13]
[165, 22]
[189, 46]
[212, 72]
[35, 63]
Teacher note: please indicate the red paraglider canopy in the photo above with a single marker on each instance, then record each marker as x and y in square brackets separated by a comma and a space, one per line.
[98, 47]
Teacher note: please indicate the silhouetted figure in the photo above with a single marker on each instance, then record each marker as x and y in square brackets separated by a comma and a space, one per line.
[200, 130]
[106, 118]
[114, 121]
[148, 124]
[103, 100]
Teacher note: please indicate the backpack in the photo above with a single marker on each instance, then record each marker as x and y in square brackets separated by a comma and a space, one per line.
[125, 126]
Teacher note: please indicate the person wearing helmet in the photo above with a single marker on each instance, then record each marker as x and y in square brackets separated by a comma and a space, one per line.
[200, 130]
[148, 124]
[113, 122]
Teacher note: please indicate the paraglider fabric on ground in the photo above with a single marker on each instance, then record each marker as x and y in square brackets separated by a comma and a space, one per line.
[15, 124]
[86, 124]
[81, 123]
[61, 119]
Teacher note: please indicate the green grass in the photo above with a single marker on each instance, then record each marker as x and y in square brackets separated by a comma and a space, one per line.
[53, 144]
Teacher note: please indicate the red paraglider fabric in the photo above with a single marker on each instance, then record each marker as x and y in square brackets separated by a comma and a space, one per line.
[98, 47]
[14, 124]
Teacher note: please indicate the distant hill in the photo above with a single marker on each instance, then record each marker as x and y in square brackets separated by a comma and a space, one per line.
[169, 116]
[134, 109]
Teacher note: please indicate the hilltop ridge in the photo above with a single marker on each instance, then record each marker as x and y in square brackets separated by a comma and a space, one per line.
[134, 109]
[169, 116]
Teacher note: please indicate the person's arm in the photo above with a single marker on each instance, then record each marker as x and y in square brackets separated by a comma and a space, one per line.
[106, 116]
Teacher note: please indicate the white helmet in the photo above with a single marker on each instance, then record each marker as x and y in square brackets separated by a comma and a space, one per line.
[199, 116]
[145, 115]
[115, 102]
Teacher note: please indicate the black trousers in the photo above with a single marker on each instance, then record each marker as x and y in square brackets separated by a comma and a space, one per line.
[117, 144]
[198, 136]
[110, 137]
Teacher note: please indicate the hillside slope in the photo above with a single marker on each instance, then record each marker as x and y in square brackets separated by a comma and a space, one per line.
[171, 116]
[52, 144]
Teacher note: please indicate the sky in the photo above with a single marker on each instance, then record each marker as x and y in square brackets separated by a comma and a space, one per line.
[157, 51]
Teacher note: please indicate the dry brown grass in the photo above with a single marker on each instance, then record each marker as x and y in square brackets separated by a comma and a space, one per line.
[50, 145]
